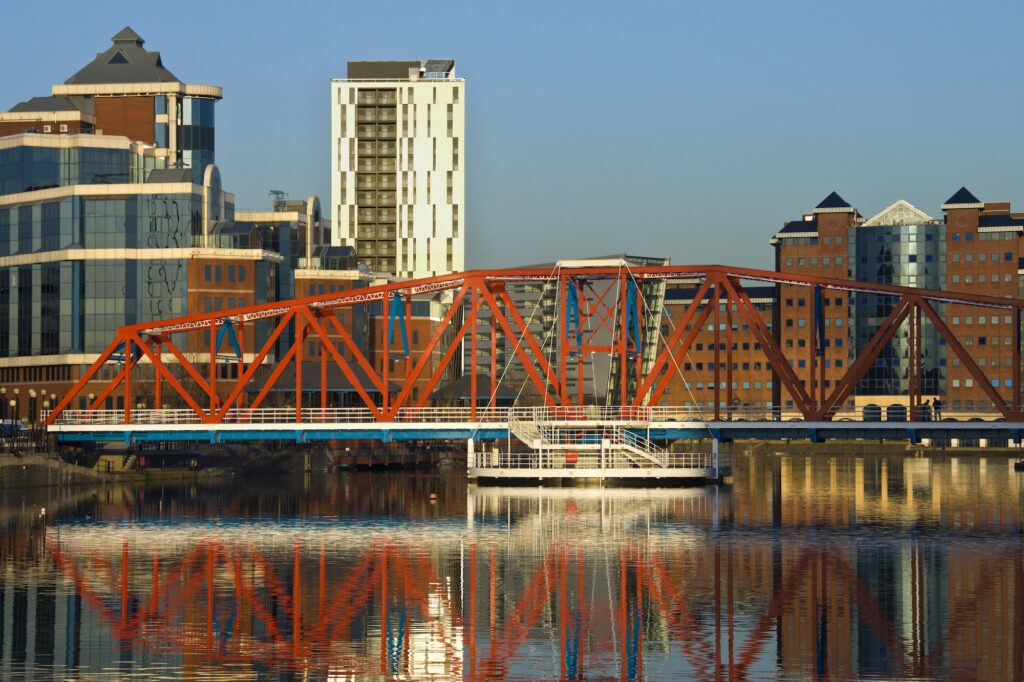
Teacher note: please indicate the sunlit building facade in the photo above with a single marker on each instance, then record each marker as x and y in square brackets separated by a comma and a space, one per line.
[398, 145]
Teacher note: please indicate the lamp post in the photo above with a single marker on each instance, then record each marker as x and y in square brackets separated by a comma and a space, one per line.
[3, 403]
[16, 415]
[32, 415]
[42, 429]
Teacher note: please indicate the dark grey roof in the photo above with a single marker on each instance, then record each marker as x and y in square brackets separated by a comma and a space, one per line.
[44, 105]
[170, 175]
[125, 62]
[127, 35]
[962, 196]
[800, 226]
[999, 220]
[381, 70]
[833, 200]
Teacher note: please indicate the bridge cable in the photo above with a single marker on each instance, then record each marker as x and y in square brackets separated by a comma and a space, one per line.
[519, 342]
[675, 363]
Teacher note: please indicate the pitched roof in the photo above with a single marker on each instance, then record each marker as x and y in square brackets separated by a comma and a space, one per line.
[127, 35]
[126, 61]
[962, 199]
[833, 201]
[44, 105]
[900, 213]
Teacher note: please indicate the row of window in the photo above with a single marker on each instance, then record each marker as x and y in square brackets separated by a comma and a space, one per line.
[802, 322]
[215, 303]
[736, 366]
[214, 273]
[802, 343]
[969, 383]
[722, 385]
[825, 260]
[983, 257]
[981, 278]
[801, 364]
[721, 346]
[21, 375]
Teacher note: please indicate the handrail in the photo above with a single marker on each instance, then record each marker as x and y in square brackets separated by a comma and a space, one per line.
[544, 418]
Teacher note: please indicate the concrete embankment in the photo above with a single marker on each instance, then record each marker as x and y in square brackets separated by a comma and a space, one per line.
[30, 471]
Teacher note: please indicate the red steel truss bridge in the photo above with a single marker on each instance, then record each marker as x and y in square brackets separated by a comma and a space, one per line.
[551, 323]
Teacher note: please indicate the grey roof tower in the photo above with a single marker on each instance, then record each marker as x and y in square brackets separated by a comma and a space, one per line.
[125, 62]
[963, 199]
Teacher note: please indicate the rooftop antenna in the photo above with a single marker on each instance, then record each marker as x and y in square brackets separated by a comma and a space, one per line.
[277, 197]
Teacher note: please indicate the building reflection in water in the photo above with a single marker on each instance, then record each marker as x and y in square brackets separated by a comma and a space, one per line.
[821, 566]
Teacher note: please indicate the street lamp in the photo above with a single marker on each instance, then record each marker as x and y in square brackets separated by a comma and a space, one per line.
[3, 403]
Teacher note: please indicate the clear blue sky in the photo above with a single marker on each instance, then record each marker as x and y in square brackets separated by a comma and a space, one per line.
[691, 130]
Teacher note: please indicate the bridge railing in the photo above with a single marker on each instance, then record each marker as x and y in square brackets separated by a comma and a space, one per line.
[598, 414]
[585, 459]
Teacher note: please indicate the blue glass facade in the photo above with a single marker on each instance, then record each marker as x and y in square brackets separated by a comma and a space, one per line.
[75, 306]
[901, 255]
[134, 221]
[196, 134]
[26, 168]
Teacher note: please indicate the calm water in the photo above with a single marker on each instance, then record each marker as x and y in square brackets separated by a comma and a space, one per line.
[828, 567]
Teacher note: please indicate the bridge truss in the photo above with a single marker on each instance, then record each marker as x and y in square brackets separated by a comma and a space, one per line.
[599, 308]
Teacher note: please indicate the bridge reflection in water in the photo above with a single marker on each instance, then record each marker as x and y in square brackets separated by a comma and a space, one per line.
[807, 566]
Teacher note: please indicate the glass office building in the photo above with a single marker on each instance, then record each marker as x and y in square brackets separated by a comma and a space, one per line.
[906, 247]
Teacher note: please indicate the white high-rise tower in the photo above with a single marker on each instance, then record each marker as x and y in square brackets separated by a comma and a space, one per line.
[398, 165]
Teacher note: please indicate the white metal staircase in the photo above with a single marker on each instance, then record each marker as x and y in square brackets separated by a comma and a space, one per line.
[614, 444]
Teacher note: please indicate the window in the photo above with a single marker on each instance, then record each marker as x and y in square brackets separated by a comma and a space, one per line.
[956, 236]
[241, 273]
[969, 236]
[216, 274]
[231, 273]
[207, 273]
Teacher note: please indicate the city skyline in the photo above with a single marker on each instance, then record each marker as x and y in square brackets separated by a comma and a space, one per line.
[751, 114]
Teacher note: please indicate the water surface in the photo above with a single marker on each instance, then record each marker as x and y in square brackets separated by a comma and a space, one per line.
[806, 566]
